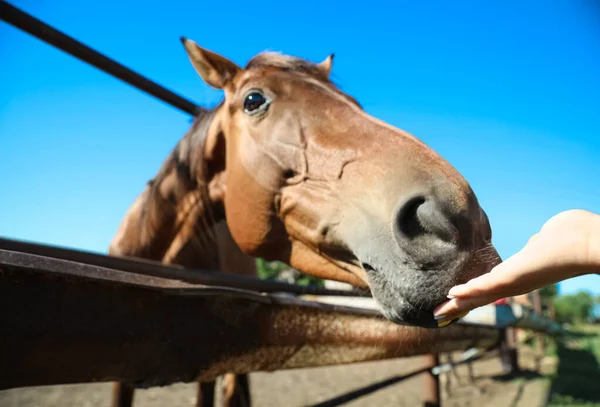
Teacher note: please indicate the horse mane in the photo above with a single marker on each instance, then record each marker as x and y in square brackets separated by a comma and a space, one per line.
[187, 153]
[183, 170]
[269, 59]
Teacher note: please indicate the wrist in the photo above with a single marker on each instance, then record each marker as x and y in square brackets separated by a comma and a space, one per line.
[594, 243]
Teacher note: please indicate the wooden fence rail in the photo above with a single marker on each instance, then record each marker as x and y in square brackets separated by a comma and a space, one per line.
[67, 322]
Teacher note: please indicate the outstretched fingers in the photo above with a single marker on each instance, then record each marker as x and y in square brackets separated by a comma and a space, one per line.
[500, 282]
[459, 307]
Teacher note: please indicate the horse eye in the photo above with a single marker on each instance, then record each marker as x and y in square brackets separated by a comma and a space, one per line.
[255, 102]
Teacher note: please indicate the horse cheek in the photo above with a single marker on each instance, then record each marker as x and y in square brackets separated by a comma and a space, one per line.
[252, 221]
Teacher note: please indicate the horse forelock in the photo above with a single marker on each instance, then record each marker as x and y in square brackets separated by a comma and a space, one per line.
[271, 59]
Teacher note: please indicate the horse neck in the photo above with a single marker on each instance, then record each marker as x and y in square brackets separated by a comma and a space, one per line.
[195, 243]
[204, 241]
[175, 221]
[157, 227]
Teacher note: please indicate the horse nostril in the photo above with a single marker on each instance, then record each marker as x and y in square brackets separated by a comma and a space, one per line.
[367, 267]
[422, 216]
[408, 219]
[289, 173]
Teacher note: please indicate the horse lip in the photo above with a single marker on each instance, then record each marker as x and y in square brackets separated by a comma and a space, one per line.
[420, 319]
[414, 321]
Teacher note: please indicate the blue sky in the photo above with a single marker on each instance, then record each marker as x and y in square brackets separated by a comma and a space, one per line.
[508, 92]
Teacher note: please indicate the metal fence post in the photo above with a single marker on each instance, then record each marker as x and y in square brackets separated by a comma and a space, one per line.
[431, 383]
[540, 337]
[471, 372]
[122, 395]
[508, 352]
[508, 348]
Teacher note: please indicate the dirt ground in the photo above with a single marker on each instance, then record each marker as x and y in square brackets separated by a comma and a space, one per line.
[305, 387]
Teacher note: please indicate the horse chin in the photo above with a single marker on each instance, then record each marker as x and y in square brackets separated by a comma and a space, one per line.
[408, 296]
[409, 315]
[397, 308]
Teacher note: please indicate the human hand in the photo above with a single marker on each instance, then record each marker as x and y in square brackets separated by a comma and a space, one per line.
[567, 245]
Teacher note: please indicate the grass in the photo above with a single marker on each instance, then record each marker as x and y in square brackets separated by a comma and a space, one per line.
[576, 381]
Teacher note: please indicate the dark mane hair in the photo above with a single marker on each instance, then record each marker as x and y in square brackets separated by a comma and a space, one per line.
[186, 163]
[286, 63]
[189, 146]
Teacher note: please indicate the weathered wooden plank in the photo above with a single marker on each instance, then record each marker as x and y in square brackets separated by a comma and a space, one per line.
[67, 322]
[496, 316]
[162, 271]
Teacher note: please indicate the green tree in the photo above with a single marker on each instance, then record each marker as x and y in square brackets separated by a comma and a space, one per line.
[549, 292]
[574, 307]
[268, 270]
[276, 270]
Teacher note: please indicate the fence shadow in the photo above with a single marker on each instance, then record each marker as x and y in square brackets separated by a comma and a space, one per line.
[524, 374]
[577, 377]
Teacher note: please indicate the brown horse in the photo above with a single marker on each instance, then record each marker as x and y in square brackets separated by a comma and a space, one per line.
[302, 174]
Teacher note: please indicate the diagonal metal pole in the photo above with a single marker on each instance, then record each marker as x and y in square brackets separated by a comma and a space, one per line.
[70, 45]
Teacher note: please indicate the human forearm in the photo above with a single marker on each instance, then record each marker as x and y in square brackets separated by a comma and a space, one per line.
[594, 244]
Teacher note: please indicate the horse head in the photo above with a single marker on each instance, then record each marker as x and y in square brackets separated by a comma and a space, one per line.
[302, 174]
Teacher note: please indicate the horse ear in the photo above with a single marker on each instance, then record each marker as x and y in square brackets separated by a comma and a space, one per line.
[214, 69]
[326, 65]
